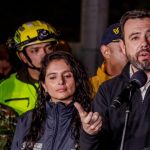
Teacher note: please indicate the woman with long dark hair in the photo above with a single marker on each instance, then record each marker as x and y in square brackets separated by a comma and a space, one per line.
[54, 124]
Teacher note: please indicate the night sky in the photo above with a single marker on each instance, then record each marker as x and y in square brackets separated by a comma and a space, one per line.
[64, 15]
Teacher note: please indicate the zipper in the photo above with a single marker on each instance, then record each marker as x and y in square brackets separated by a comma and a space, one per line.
[56, 128]
[18, 99]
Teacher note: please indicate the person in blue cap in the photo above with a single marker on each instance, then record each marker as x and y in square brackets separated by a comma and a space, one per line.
[114, 58]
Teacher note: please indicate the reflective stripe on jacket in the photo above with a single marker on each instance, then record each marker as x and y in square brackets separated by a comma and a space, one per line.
[17, 94]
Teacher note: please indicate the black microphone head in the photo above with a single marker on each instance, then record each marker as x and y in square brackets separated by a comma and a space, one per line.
[139, 78]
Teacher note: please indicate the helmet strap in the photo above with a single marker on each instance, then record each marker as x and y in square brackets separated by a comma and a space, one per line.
[28, 58]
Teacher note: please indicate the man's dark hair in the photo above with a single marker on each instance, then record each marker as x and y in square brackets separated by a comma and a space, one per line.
[133, 14]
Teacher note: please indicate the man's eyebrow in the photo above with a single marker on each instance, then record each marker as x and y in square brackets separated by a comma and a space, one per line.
[132, 34]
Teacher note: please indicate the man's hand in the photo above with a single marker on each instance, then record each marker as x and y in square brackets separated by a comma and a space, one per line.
[91, 122]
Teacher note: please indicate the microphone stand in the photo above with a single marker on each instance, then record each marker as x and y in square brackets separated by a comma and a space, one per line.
[128, 110]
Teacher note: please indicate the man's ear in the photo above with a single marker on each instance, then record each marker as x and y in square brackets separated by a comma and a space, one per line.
[122, 45]
[105, 51]
[22, 57]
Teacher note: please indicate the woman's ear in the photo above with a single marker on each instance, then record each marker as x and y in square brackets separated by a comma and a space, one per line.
[43, 85]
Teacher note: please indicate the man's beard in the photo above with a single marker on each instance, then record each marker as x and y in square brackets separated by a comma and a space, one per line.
[143, 65]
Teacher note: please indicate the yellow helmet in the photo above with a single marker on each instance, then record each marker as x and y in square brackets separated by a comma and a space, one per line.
[34, 32]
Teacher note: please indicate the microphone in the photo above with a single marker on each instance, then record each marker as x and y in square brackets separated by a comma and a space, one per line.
[137, 80]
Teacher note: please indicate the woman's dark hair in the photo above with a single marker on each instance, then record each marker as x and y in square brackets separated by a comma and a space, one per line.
[82, 95]
[133, 14]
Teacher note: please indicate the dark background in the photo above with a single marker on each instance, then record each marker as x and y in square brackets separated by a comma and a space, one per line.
[118, 7]
[64, 15]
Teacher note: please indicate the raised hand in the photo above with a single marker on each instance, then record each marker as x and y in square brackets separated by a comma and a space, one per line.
[91, 122]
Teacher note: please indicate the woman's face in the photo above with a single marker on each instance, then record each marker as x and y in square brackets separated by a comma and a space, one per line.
[59, 82]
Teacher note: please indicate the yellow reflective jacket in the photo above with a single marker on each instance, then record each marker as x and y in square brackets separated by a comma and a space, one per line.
[99, 78]
[17, 94]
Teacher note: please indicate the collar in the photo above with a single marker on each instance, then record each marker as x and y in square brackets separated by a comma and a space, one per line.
[103, 69]
[60, 108]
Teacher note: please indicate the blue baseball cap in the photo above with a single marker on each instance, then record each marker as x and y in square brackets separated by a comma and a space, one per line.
[112, 34]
